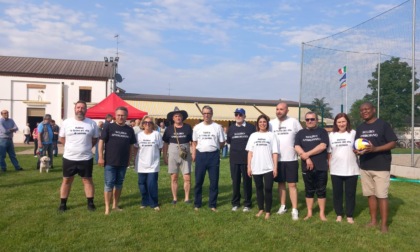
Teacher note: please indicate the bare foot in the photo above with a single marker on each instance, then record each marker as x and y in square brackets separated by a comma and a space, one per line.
[117, 209]
[371, 224]
[259, 213]
[322, 217]
[350, 220]
[267, 216]
[107, 212]
[307, 217]
[213, 209]
[339, 218]
[384, 229]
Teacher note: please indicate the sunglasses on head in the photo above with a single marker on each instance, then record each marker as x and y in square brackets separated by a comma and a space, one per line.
[239, 114]
[310, 119]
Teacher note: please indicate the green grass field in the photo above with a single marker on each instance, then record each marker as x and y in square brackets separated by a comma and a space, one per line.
[29, 220]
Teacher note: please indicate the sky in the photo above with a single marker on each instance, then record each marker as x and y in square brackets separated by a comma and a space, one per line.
[244, 49]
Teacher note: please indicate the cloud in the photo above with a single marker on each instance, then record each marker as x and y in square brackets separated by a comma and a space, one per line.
[295, 36]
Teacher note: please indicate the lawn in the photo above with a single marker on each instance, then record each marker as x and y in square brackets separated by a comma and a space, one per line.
[29, 220]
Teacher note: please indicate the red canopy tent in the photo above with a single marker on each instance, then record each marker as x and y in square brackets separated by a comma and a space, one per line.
[108, 106]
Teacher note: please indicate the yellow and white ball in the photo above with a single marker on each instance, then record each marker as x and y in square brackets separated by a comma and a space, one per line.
[360, 144]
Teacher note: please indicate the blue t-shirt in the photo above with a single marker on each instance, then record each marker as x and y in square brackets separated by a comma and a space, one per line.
[47, 137]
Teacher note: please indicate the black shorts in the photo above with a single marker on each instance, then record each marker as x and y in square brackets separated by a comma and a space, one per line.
[83, 168]
[287, 171]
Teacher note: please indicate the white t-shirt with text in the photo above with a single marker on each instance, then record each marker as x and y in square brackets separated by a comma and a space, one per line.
[148, 153]
[262, 145]
[208, 137]
[343, 161]
[78, 135]
[285, 132]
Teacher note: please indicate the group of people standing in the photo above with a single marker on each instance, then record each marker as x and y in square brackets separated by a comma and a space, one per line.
[267, 152]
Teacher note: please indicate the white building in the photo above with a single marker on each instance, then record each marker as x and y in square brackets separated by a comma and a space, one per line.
[33, 87]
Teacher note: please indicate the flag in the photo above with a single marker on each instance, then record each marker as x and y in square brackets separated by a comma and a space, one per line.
[343, 84]
[344, 77]
[342, 70]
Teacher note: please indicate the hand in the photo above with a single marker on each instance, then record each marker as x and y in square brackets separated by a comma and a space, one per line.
[101, 162]
[193, 156]
[309, 164]
[249, 171]
[369, 148]
[165, 159]
[304, 156]
[275, 172]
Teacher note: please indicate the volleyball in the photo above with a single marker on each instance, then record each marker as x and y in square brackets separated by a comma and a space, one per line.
[360, 144]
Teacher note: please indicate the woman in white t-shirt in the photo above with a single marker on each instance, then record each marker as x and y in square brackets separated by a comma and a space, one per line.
[148, 163]
[263, 152]
[343, 166]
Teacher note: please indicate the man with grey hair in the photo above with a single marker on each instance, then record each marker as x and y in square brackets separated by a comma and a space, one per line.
[7, 128]
[208, 138]
[115, 146]
[45, 139]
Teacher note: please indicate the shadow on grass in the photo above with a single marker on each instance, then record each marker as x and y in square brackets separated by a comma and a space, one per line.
[29, 182]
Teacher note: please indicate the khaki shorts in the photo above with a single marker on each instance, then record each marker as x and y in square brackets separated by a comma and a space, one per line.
[176, 163]
[375, 183]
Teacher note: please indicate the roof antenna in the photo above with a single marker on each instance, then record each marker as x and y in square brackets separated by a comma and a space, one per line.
[117, 36]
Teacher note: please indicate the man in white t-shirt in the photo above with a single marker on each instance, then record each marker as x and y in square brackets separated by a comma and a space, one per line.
[208, 138]
[78, 135]
[286, 128]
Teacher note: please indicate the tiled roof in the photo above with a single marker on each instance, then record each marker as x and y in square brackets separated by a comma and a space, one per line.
[54, 68]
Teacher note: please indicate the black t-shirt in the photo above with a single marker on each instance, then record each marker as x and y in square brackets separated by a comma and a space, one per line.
[378, 133]
[308, 139]
[184, 134]
[117, 143]
[238, 137]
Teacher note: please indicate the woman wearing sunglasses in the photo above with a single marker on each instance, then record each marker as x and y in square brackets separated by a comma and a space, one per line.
[343, 166]
[263, 152]
[148, 163]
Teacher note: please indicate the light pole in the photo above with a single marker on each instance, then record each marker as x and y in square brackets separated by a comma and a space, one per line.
[114, 65]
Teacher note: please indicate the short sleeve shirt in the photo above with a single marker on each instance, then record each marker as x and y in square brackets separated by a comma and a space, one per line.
[148, 155]
[262, 145]
[343, 161]
[378, 133]
[78, 134]
[118, 140]
[286, 132]
[237, 137]
[308, 139]
[184, 134]
[208, 137]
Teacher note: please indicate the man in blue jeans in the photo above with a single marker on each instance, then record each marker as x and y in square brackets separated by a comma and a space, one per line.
[208, 138]
[117, 139]
[45, 139]
[7, 128]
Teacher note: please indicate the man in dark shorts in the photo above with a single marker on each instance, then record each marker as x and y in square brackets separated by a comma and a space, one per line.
[237, 136]
[78, 135]
[375, 162]
[286, 128]
[311, 145]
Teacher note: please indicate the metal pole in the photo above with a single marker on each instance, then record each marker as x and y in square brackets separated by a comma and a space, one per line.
[301, 79]
[379, 83]
[413, 80]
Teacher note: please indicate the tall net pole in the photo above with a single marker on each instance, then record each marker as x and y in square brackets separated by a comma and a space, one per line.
[413, 80]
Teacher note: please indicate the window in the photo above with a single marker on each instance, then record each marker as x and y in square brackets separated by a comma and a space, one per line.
[85, 94]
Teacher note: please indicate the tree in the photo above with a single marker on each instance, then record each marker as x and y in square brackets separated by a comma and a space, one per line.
[354, 114]
[320, 107]
[395, 92]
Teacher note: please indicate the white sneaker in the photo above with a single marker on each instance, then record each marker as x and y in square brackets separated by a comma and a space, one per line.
[235, 208]
[246, 209]
[282, 210]
[295, 214]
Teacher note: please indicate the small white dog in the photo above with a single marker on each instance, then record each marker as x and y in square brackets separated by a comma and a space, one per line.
[44, 164]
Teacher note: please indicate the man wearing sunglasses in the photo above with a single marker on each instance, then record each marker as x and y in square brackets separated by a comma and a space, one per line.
[285, 128]
[237, 136]
[311, 145]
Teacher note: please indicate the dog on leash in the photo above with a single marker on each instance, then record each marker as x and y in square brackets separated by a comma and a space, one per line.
[44, 164]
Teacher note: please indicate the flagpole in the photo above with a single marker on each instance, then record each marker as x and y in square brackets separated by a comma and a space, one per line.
[379, 83]
[347, 81]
